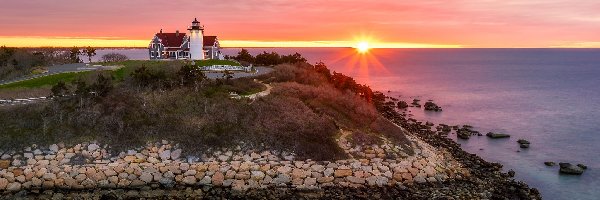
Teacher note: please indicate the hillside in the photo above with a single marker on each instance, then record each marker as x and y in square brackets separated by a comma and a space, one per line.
[301, 115]
[163, 130]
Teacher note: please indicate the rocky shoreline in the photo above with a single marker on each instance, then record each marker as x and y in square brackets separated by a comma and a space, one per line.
[435, 167]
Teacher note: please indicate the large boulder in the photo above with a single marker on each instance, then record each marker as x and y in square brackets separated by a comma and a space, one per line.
[402, 104]
[568, 168]
[430, 106]
[497, 135]
[523, 143]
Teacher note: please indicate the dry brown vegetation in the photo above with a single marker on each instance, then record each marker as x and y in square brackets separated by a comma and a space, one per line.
[303, 113]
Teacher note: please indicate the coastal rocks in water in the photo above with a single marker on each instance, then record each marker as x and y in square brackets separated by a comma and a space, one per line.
[523, 143]
[568, 168]
[511, 173]
[430, 106]
[462, 134]
[465, 132]
[497, 135]
[416, 103]
[549, 163]
[402, 104]
[582, 166]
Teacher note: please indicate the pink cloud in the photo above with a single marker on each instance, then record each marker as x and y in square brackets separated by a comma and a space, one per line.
[472, 23]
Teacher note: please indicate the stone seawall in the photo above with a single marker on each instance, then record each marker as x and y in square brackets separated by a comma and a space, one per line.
[161, 165]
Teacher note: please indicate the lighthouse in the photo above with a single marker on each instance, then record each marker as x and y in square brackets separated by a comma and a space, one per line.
[196, 40]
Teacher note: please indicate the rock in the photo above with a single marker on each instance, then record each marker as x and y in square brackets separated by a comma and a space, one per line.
[318, 168]
[282, 179]
[310, 181]
[430, 106]
[205, 181]
[511, 173]
[242, 175]
[189, 180]
[342, 173]
[298, 173]
[3, 183]
[328, 172]
[28, 155]
[568, 168]
[218, 178]
[93, 147]
[524, 146]
[284, 169]
[497, 135]
[176, 154]
[420, 179]
[582, 166]
[550, 164]
[165, 155]
[190, 172]
[402, 104]
[463, 134]
[257, 175]
[223, 158]
[17, 163]
[146, 177]
[4, 164]
[49, 176]
[167, 182]
[325, 179]
[356, 180]
[53, 148]
[13, 187]
[523, 141]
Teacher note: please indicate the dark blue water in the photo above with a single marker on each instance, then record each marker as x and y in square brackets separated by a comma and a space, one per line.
[550, 97]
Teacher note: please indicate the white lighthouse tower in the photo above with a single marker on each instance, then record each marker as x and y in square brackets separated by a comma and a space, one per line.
[196, 41]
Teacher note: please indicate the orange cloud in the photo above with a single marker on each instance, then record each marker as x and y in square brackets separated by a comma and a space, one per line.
[467, 23]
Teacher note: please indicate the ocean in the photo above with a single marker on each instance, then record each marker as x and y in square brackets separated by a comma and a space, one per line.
[550, 97]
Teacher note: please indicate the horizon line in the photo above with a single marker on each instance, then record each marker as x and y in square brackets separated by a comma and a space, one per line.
[112, 42]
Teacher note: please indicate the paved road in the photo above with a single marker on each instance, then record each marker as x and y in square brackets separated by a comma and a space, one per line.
[57, 69]
[259, 71]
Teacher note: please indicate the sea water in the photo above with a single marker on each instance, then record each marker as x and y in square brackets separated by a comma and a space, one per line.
[550, 97]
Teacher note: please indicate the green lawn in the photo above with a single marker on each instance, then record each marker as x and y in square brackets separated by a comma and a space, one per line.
[44, 81]
[202, 63]
[119, 74]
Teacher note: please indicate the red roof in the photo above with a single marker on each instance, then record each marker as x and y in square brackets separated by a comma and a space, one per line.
[174, 40]
[210, 40]
[171, 39]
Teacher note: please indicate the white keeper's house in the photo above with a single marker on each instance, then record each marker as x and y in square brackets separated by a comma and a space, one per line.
[195, 46]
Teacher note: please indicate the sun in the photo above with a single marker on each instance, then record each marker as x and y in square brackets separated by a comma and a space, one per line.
[362, 47]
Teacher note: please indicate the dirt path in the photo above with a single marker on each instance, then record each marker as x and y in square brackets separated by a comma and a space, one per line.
[343, 142]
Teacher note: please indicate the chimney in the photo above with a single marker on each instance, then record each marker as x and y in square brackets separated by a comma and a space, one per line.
[177, 33]
[161, 30]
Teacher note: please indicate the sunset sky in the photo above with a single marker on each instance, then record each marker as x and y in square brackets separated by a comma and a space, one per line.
[247, 23]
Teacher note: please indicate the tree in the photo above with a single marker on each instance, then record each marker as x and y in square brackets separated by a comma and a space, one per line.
[142, 76]
[5, 54]
[60, 89]
[268, 59]
[89, 52]
[191, 75]
[292, 58]
[103, 85]
[244, 56]
[113, 57]
[74, 55]
[321, 68]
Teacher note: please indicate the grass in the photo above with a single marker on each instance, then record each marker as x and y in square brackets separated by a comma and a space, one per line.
[44, 81]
